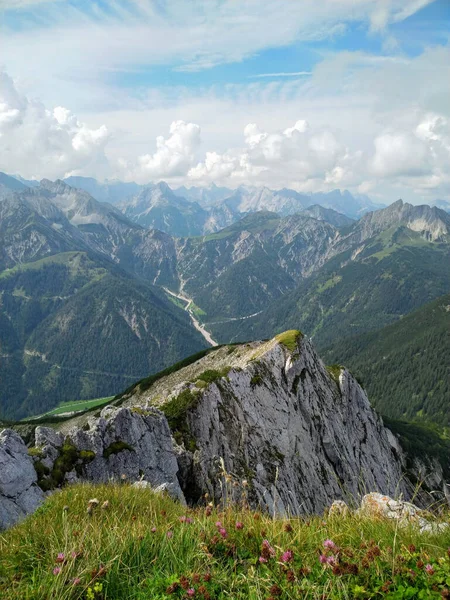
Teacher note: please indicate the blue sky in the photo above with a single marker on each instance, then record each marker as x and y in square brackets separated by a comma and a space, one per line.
[212, 90]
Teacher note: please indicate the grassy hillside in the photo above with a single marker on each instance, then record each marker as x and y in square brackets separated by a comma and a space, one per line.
[405, 367]
[140, 545]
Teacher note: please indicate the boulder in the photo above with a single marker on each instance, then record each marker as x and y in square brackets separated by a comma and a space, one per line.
[19, 492]
[406, 514]
[339, 509]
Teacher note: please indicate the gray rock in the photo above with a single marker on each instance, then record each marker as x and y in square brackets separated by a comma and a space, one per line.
[172, 490]
[298, 436]
[19, 494]
[129, 444]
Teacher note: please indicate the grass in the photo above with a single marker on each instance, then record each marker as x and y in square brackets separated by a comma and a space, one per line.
[147, 546]
[70, 259]
[329, 283]
[335, 372]
[78, 405]
[289, 339]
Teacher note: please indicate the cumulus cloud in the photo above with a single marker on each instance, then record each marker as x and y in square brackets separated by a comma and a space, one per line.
[38, 142]
[417, 159]
[174, 156]
[399, 154]
[299, 155]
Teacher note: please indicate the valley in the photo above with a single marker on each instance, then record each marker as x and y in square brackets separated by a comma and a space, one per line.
[79, 274]
[188, 302]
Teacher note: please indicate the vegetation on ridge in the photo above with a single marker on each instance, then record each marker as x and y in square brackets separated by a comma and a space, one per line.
[116, 542]
[405, 366]
[289, 339]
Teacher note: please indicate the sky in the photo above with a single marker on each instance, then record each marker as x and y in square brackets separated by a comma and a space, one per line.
[312, 95]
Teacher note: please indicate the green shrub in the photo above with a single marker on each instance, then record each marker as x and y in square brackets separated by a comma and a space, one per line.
[35, 452]
[212, 375]
[87, 455]
[335, 372]
[115, 448]
[256, 380]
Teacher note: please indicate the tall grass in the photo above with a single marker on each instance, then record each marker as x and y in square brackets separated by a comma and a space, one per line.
[143, 545]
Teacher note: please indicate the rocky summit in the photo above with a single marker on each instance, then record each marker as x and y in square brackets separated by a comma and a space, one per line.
[267, 421]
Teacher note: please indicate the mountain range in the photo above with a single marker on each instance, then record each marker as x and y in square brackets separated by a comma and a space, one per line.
[92, 299]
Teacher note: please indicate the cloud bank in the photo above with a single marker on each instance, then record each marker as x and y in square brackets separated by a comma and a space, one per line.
[370, 123]
[38, 142]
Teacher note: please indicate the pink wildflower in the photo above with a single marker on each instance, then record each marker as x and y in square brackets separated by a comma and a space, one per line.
[182, 519]
[76, 581]
[190, 592]
[287, 556]
[153, 529]
[429, 569]
[56, 570]
[262, 560]
[223, 532]
[329, 545]
[331, 560]
[323, 559]
[188, 520]
[218, 524]
[170, 534]
[239, 525]
[267, 546]
[60, 558]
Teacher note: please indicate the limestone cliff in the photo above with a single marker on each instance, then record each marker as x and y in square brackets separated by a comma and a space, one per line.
[298, 433]
[265, 421]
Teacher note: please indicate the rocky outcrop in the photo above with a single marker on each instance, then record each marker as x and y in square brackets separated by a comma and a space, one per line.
[297, 434]
[121, 444]
[19, 493]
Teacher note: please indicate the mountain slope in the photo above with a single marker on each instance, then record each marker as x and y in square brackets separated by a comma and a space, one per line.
[9, 184]
[405, 366]
[273, 414]
[327, 214]
[32, 228]
[74, 325]
[108, 191]
[239, 270]
[157, 207]
[384, 266]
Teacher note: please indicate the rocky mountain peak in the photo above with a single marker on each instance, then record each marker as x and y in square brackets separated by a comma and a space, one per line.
[269, 417]
[273, 414]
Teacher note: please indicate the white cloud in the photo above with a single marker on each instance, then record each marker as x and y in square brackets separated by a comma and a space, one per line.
[174, 156]
[399, 154]
[374, 124]
[37, 142]
[281, 74]
[300, 155]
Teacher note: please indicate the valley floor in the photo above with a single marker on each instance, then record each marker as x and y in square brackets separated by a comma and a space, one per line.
[194, 320]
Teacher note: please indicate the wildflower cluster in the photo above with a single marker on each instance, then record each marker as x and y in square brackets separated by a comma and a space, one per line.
[136, 544]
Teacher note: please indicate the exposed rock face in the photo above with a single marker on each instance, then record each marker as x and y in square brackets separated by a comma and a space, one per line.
[264, 420]
[121, 444]
[19, 494]
[299, 437]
